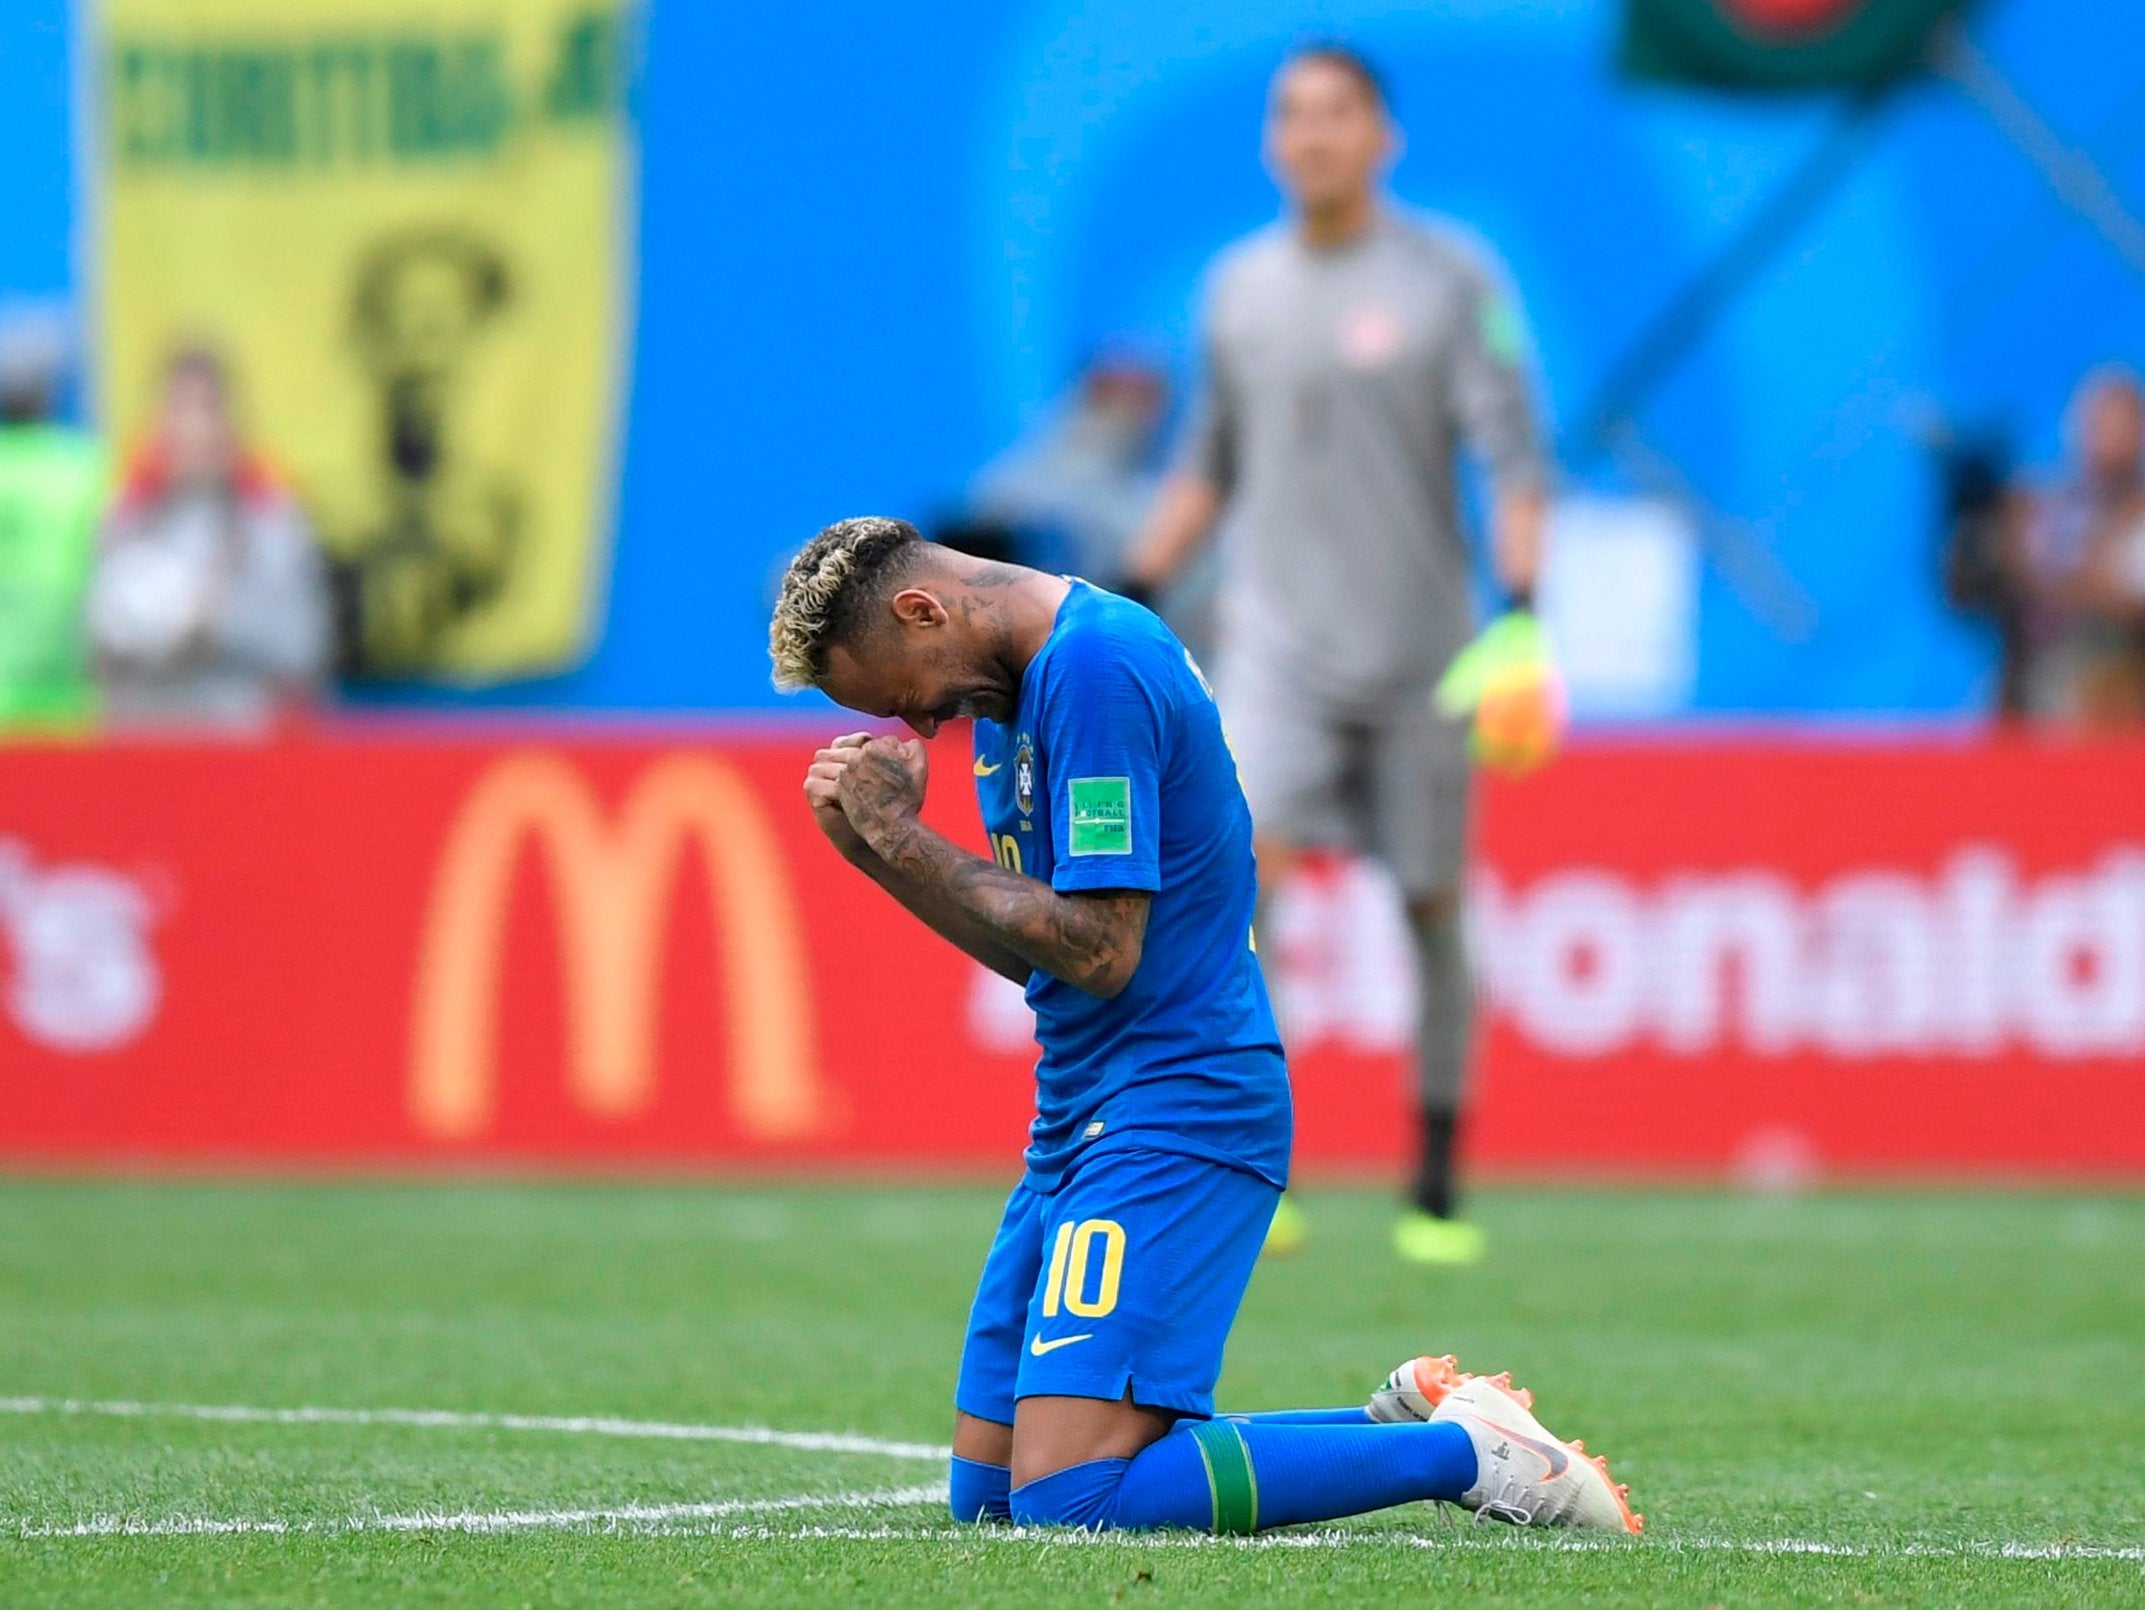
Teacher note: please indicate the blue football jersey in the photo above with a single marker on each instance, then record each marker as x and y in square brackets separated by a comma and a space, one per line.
[1114, 774]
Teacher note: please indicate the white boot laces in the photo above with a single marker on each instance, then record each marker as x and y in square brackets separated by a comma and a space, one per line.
[1507, 1503]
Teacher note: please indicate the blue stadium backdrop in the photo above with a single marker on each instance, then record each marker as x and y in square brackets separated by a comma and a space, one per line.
[873, 245]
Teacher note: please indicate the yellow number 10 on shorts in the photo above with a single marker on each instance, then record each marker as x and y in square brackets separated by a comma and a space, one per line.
[1069, 1268]
[1058, 1312]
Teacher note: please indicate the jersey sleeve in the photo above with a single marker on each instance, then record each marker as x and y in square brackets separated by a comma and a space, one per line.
[1103, 741]
[1490, 391]
[1208, 448]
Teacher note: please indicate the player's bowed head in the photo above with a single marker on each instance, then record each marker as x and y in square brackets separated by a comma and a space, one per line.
[902, 629]
[906, 630]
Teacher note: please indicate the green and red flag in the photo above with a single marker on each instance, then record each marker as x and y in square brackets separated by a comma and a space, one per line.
[1779, 44]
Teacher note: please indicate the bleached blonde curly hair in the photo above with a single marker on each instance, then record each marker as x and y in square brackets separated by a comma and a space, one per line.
[824, 590]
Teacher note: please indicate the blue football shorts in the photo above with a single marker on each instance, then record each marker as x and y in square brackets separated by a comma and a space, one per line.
[1128, 1275]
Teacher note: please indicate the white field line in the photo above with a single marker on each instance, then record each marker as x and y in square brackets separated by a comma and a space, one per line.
[453, 1420]
[714, 1519]
[620, 1517]
[675, 1520]
[1453, 1538]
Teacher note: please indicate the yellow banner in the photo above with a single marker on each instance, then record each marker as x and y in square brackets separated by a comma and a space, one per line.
[407, 227]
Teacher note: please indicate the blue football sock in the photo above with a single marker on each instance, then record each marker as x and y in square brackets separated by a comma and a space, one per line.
[1238, 1476]
[979, 1492]
[1079, 1495]
[1356, 1416]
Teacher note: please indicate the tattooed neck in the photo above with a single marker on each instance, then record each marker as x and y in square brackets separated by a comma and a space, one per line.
[987, 575]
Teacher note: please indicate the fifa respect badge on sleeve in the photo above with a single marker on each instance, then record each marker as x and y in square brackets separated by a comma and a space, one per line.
[1101, 816]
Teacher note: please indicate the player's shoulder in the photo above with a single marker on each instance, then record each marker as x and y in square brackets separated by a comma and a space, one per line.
[1103, 639]
[1444, 247]
[1244, 264]
[1101, 625]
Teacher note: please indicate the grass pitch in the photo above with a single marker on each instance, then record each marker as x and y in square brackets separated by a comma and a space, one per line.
[1851, 1399]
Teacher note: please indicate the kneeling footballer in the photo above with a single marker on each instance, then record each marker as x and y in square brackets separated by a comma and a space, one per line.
[1119, 892]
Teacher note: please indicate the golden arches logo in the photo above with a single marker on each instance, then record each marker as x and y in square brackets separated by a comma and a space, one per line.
[611, 888]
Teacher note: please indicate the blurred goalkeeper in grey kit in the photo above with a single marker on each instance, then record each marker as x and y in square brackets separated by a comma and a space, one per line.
[1348, 351]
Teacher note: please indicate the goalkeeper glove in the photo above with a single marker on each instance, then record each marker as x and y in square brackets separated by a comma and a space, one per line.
[1506, 680]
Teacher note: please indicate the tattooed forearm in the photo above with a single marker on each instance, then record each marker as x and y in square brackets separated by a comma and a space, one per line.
[1092, 941]
[954, 926]
[1011, 923]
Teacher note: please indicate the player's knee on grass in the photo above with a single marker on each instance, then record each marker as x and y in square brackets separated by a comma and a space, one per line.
[1169, 1483]
[1057, 1433]
[1070, 1456]
[1084, 1496]
[979, 1492]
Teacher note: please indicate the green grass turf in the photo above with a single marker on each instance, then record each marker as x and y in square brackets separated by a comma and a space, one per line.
[1910, 1378]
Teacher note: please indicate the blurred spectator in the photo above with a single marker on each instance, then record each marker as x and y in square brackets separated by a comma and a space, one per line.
[1074, 493]
[2078, 563]
[209, 606]
[981, 537]
[51, 486]
[1977, 503]
[1086, 474]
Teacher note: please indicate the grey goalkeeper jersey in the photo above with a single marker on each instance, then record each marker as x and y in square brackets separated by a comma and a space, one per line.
[1340, 385]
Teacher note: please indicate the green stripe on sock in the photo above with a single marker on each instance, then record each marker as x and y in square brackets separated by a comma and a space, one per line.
[1230, 1480]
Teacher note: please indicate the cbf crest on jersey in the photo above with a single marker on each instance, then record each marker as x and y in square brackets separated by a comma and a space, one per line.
[1024, 776]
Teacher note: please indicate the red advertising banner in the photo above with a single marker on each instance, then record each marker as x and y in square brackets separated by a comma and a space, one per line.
[554, 948]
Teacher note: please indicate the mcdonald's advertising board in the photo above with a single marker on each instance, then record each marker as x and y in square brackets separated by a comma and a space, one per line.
[385, 948]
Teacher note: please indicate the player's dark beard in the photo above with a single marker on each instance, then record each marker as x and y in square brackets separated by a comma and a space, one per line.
[993, 693]
[990, 704]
